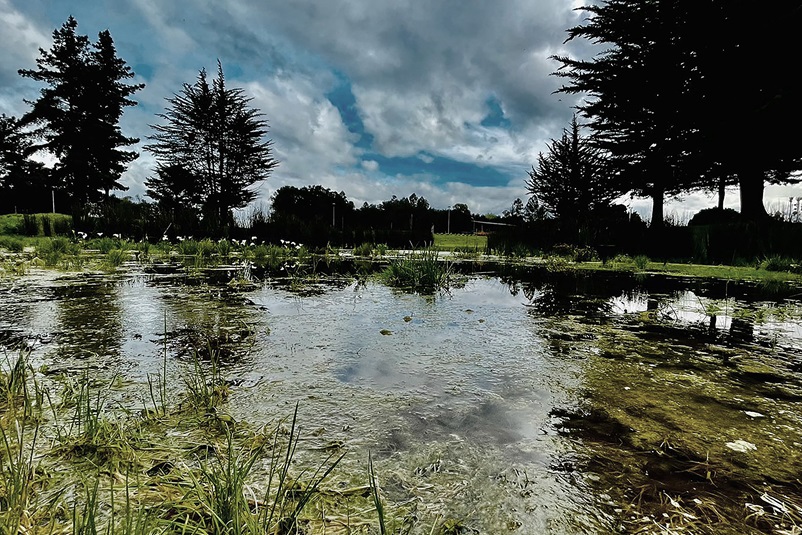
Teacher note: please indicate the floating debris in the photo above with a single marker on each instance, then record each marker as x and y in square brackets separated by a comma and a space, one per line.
[741, 446]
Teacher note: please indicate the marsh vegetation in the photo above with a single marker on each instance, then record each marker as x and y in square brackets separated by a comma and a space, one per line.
[242, 388]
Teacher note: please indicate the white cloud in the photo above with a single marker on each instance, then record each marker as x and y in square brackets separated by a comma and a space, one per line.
[370, 165]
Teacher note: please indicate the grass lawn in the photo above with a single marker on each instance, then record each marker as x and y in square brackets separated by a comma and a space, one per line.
[452, 242]
[744, 273]
[14, 224]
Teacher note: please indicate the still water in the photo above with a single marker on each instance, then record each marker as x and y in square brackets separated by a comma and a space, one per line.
[511, 403]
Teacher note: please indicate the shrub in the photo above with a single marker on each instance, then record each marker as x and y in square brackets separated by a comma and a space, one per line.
[30, 225]
[715, 216]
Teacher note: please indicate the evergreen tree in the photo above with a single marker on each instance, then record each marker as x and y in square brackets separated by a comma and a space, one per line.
[24, 183]
[214, 136]
[691, 93]
[572, 179]
[78, 111]
[637, 86]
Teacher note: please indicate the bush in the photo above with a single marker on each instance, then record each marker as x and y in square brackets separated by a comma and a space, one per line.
[715, 216]
[574, 253]
[30, 225]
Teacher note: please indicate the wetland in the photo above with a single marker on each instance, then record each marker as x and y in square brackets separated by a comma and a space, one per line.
[516, 400]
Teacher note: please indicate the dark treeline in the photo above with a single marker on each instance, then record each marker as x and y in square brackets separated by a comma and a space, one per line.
[312, 215]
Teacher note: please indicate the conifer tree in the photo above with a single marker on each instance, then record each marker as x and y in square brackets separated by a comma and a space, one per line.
[212, 134]
[78, 111]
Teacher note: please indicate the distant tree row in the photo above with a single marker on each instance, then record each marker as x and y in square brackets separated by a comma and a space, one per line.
[684, 95]
[211, 148]
[322, 207]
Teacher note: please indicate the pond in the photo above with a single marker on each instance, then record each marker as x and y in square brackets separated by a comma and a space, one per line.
[516, 402]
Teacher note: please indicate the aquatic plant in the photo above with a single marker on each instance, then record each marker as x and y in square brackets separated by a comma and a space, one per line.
[779, 263]
[422, 272]
[221, 488]
[17, 473]
[115, 258]
[224, 248]
[641, 261]
[205, 387]
[187, 247]
[374, 492]
[366, 249]
[289, 498]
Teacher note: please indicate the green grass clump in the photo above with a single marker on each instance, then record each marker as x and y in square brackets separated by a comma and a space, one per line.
[206, 389]
[53, 251]
[420, 272]
[779, 263]
[115, 258]
[641, 261]
[11, 244]
[366, 249]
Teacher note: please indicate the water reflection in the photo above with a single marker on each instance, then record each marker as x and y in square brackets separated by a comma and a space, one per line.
[461, 394]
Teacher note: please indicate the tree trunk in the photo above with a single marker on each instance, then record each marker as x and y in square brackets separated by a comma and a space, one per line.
[658, 215]
[751, 184]
[722, 191]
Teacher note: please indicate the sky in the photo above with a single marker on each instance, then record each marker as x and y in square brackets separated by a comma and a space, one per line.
[449, 99]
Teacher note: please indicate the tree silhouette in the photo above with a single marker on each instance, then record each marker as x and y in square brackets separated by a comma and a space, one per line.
[78, 111]
[680, 106]
[572, 179]
[21, 179]
[214, 136]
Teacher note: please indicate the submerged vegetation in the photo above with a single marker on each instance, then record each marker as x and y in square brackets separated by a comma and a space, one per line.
[110, 470]
[677, 426]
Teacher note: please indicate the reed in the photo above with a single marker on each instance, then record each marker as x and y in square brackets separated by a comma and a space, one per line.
[205, 386]
[421, 272]
[17, 475]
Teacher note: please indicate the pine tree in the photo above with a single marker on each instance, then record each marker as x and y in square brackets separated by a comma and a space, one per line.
[689, 94]
[213, 135]
[572, 179]
[78, 111]
[23, 182]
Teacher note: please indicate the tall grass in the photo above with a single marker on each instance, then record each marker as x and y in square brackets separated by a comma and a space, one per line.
[205, 386]
[422, 272]
[17, 474]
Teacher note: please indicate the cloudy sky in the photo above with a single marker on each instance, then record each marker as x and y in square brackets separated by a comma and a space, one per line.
[449, 99]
